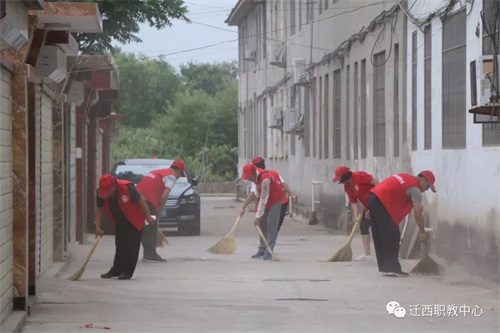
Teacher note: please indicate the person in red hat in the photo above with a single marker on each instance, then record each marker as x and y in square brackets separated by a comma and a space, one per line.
[260, 163]
[389, 202]
[155, 187]
[128, 210]
[269, 206]
[357, 186]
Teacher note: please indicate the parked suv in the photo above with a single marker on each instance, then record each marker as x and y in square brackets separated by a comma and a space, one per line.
[182, 210]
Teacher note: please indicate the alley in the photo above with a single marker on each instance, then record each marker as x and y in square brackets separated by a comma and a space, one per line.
[201, 292]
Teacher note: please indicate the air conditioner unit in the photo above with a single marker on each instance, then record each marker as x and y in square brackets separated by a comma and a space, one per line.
[292, 121]
[277, 118]
[481, 88]
[52, 63]
[13, 26]
[277, 56]
[300, 76]
[76, 93]
[250, 53]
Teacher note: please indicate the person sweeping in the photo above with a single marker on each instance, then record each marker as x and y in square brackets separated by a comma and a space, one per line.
[155, 187]
[260, 163]
[357, 186]
[388, 203]
[269, 206]
[128, 210]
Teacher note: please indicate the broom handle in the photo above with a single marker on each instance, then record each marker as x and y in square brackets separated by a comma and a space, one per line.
[98, 238]
[354, 228]
[235, 225]
[264, 239]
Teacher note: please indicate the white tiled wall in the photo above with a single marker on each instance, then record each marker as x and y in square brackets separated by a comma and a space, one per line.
[6, 278]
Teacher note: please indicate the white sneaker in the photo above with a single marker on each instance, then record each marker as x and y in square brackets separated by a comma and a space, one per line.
[364, 257]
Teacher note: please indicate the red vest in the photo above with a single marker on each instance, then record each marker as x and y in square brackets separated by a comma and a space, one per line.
[359, 188]
[151, 186]
[132, 210]
[392, 193]
[275, 188]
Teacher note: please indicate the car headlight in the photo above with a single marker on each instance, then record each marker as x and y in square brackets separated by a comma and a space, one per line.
[188, 200]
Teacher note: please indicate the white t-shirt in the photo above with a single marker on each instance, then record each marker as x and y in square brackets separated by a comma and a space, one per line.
[169, 181]
[253, 188]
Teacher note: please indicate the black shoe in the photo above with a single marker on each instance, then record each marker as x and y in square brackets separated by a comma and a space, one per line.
[153, 258]
[396, 274]
[258, 255]
[124, 277]
[109, 275]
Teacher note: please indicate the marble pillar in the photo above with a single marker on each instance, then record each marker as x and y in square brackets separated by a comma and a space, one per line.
[20, 193]
[57, 141]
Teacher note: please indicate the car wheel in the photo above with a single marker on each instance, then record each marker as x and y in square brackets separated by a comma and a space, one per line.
[196, 230]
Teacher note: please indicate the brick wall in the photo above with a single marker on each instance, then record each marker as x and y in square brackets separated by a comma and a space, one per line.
[47, 210]
[6, 278]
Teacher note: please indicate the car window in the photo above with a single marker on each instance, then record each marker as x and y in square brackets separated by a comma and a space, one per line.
[134, 172]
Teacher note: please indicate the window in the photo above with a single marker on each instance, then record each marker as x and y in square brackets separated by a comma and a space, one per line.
[379, 104]
[414, 91]
[491, 132]
[355, 113]
[396, 100]
[264, 116]
[347, 113]
[314, 96]
[300, 15]
[320, 116]
[337, 125]
[454, 85]
[327, 4]
[326, 120]
[428, 88]
[307, 124]
[363, 108]
[292, 17]
[264, 30]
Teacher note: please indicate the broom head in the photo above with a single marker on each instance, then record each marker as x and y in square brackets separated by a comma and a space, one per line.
[78, 274]
[313, 220]
[344, 254]
[426, 265]
[226, 245]
[161, 239]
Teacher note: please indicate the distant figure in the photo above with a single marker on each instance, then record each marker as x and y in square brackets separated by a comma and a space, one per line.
[357, 186]
[155, 187]
[128, 210]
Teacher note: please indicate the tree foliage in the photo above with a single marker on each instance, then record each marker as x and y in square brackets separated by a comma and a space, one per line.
[121, 19]
[193, 124]
[210, 78]
[147, 88]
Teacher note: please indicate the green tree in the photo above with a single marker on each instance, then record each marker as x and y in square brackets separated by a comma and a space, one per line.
[121, 19]
[147, 88]
[210, 78]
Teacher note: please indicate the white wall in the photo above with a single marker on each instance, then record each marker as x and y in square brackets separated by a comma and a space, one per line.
[465, 210]
[6, 259]
[328, 33]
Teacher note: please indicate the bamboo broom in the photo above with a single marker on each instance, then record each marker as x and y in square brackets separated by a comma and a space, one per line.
[345, 253]
[78, 274]
[426, 265]
[226, 245]
[275, 257]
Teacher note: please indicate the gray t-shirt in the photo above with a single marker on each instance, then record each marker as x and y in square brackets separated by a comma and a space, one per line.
[414, 194]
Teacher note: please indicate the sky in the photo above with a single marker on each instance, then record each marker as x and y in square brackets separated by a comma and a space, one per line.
[182, 36]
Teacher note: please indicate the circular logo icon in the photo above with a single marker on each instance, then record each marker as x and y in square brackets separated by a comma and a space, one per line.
[356, 187]
[124, 198]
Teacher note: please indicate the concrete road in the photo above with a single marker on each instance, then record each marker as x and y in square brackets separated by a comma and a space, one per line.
[200, 292]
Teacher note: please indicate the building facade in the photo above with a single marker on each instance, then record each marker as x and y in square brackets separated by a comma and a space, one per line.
[379, 86]
[45, 87]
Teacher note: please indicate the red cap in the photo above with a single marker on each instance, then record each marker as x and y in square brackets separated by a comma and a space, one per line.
[106, 183]
[340, 171]
[248, 170]
[179, 164]
[430, 177]
[257, 160]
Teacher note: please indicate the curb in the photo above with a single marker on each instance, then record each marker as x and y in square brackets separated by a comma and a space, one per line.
[14, 322]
